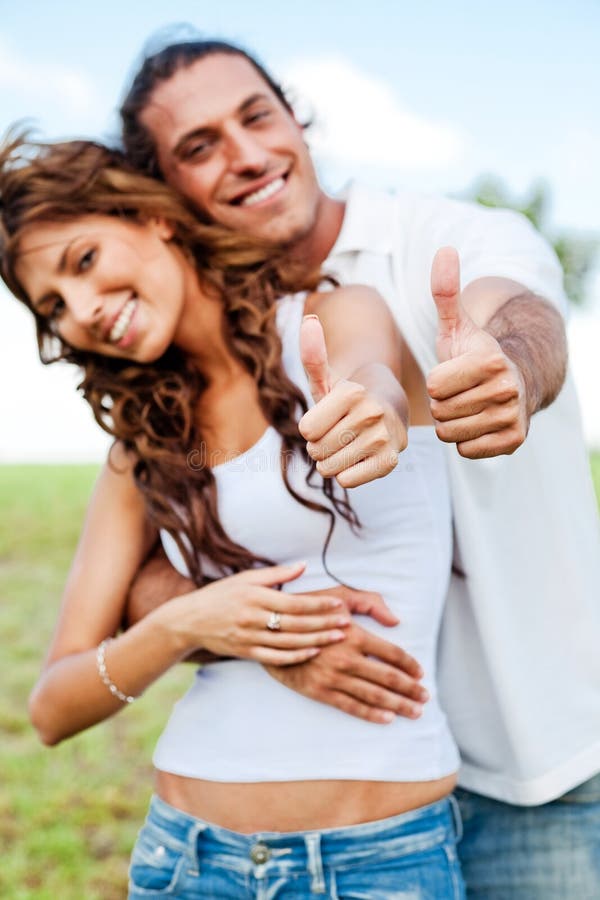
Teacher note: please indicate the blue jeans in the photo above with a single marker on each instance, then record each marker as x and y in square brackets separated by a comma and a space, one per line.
[548, 852]
[406, 857]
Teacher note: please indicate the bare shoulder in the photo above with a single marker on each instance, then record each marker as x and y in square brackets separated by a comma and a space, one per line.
[354, 298]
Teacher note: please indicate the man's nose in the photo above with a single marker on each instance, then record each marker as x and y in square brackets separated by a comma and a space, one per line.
[246, 153]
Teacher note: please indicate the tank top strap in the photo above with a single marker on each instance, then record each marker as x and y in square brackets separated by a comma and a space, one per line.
[290, 311]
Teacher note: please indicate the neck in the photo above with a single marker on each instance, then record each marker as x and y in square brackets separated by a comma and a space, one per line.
[314, 248]
[201, 332]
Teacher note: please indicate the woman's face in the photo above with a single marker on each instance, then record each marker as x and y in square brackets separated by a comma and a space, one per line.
[106, 285]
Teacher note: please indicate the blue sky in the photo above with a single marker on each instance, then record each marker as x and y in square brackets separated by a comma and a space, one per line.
[430, 95]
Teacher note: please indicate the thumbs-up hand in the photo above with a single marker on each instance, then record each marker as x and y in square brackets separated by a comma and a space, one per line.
[352, 433]
[477, 392]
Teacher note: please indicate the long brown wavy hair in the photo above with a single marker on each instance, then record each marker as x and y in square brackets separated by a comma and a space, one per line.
[151, 408]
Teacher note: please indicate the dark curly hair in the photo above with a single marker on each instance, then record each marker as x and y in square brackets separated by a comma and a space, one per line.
[159, 67]
[151, 407]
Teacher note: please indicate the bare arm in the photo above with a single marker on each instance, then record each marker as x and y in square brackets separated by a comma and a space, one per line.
[502, 353]
[227, 617]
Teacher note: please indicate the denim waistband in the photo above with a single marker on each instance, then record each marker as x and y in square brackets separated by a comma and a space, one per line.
[418, 830]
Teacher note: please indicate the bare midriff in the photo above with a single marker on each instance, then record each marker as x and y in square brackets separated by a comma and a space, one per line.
[296, 805]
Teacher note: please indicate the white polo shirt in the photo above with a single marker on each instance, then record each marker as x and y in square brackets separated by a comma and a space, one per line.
[519, 651]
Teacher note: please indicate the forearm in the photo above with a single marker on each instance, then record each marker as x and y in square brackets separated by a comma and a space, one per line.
[70, 695]
[531, 333]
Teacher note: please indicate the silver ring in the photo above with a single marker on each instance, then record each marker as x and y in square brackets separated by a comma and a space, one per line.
[274, 623]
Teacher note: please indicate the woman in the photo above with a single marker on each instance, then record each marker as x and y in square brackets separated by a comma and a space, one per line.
[194, 366]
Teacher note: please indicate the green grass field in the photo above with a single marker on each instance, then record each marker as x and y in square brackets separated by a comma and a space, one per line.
[68, 815]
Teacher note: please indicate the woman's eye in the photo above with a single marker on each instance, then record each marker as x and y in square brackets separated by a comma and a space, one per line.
[86, 260]
[54, 310]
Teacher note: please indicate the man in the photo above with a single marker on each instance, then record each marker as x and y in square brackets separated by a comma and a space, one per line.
[519, 670]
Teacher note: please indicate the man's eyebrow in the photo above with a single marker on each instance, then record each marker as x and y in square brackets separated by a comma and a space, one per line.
[249, 101]
[206, 130]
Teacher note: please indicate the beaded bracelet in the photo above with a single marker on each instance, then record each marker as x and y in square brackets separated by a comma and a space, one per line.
[105, 677]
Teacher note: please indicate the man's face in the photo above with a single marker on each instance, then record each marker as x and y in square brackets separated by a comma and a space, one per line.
[226, 141]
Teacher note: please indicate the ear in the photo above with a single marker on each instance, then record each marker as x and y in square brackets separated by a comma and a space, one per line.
[162, 227]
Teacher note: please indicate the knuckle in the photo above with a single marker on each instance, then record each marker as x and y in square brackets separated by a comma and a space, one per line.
[506, 391]
[432, 385]
[468, 450]
[380, 439]
[315, 450]
[354, 391]
[243, 618]
[345, 479]
[443, 431]
[496, 362]
[324, 468]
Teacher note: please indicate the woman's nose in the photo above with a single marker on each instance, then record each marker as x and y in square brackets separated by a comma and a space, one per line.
[86, 307]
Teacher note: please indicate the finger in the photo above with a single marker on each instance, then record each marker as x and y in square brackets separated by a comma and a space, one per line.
[473, 401]
[356, 708]
[342, 399]
[297, 604]
[470, 428]
[370, 604]
[267, 656]
[389, 653]
[445, 289]
[502, 443]
[268, 575]
[367, 444]
[375, 695]
[381, 674]
[307, 624]
[360, 418]
[368, 470]
[313, 353]
[284, 640]
[455, 376]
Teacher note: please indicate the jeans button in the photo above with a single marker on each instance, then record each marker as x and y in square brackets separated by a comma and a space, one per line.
[260, 853]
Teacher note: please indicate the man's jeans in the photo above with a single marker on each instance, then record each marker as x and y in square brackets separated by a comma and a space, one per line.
[548, 852]
[406, 857]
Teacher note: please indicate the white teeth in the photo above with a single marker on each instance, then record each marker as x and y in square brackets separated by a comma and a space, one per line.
[122, 323]
[267, 191]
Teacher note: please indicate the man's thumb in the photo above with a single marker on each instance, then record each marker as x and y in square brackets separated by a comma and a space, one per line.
[445, 288]
[313, 353]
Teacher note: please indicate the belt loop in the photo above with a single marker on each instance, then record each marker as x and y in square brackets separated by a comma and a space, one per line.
[455, 809]
[193, 852]
[315, 863]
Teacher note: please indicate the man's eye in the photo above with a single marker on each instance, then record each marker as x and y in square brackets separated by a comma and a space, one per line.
[196, 150]
[257, 116]
[84, 262]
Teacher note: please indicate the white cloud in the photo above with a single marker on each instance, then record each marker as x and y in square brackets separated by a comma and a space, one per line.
[40, 82]
[359, 119]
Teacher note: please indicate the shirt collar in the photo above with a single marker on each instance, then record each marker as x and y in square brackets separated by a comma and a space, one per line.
[367, 223]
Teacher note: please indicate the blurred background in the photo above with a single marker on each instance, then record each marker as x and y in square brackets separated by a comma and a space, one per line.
[493, 102]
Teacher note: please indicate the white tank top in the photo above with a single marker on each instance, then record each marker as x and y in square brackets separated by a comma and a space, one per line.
[238, 724]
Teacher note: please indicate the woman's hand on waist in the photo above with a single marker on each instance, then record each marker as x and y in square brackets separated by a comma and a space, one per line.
[245, 617]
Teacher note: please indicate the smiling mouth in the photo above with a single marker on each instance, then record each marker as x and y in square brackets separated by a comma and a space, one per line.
[117, 332]
[263, 193]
